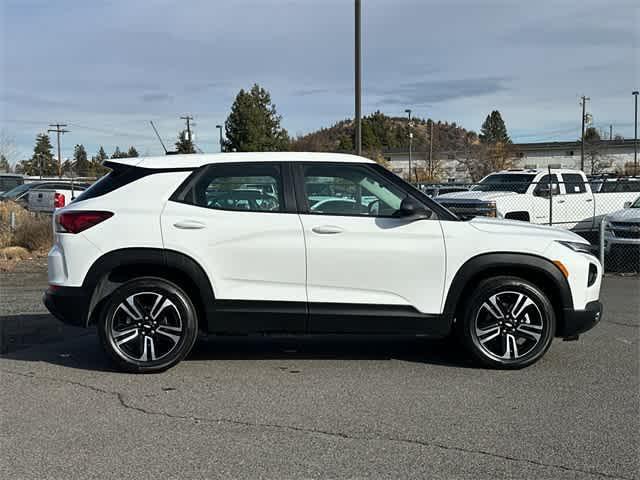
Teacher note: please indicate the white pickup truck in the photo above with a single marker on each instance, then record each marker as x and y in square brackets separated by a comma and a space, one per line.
[559, 197]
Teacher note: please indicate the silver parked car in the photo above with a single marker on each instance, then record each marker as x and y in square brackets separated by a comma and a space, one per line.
[622, 228]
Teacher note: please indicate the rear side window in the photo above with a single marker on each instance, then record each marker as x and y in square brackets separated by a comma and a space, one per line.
[573, 183]
[120, 176]
[253, 187]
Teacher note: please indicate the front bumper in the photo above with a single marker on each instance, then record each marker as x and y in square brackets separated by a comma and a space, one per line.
[579, 321]
[67, 304]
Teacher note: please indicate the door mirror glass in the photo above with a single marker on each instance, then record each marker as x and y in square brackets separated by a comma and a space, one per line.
[627, 204]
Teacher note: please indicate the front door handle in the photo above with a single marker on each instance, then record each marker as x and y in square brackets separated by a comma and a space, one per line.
[589, 200]
[327, 229]
[189, 225]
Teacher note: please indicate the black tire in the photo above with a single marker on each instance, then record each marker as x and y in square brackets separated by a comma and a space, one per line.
[515, 341]
[159, 311]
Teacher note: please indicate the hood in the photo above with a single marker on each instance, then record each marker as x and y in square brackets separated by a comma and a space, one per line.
[473, 195]
[626, 215]
[517, 227]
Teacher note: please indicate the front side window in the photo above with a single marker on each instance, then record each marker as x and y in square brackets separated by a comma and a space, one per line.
[252, 187]
[352, 190]
[573, 183]
[547, 185]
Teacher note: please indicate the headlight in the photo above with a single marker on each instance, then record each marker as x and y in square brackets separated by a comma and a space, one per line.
[578, 247]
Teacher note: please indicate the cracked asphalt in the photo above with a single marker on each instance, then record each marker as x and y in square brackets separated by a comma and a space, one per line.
[323, 408]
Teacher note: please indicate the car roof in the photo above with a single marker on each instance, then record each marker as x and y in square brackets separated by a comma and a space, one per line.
[535, 171]
[197, 160]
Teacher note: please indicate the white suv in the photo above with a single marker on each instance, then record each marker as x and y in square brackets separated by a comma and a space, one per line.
[163, 247]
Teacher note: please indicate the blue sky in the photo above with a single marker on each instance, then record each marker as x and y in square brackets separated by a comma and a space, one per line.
[107, 67]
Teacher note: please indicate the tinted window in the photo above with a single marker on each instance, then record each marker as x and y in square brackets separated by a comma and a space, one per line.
[573, 183]
[120, 176]
[629, 186]
[543, 185]
[505, 182]
[253, 187]
[350, 190]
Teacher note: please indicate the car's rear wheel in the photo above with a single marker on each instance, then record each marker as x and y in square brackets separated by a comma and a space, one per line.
[148, 325]
[508, 323]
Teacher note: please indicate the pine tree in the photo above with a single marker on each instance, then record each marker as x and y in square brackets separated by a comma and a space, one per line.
[132, 152]
[494, 130]
[97, 167]
[254, 124]
[116, 153]
[184, 144]
[4, 164]
[42, 161]
[81, 164]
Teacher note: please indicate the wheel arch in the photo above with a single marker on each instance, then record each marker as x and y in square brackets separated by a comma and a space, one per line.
[114, 268]
[538, 270]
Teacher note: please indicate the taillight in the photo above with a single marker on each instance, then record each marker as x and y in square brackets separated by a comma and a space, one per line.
[58, 200]
[78, 221]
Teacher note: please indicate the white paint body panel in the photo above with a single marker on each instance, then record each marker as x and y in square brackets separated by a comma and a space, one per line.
[375, 261]
[247, 255]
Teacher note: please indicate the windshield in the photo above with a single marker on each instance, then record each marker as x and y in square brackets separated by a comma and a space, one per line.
[636, 204]
[15, 192]
[505, 182]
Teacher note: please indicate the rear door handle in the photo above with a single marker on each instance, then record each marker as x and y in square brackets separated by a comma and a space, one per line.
[327, 229]
[561, 201]
[189, 225]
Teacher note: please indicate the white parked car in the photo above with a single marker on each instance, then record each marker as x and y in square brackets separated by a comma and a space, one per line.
[622, 228]
[151, 254]
[563, 198]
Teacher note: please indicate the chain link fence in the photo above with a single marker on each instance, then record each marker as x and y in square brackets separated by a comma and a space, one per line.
[604, 212]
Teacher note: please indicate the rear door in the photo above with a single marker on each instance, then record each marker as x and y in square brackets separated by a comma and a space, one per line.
[249, 242]
[361, 258]
[578, 208]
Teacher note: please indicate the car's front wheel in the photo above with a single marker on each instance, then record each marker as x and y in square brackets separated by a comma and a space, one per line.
[148, 325]
[508, 322]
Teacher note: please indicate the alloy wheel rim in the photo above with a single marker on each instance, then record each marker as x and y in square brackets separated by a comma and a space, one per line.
[508, 326]
[146, 327]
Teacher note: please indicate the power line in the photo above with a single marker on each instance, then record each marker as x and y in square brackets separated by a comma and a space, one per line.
[59, 129]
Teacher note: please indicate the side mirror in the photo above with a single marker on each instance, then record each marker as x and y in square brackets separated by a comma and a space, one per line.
[627, 205]
[542, 191]
[412, 209]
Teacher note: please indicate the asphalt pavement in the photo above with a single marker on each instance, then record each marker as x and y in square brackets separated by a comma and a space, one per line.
[320, 408]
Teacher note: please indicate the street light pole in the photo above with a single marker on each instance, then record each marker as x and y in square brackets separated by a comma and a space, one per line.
[219, 127]
[408, 111]
[358, 79]
[635, 137]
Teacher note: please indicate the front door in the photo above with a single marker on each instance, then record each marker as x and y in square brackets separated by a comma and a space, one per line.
[361, 257]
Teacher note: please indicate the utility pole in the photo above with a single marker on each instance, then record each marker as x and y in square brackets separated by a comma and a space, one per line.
[431, 150]
[635, 138]
[219, 127]
[408, 111]
[610, 132]
[584, 117]
[358, 79]
[188, 119]
[59, 129]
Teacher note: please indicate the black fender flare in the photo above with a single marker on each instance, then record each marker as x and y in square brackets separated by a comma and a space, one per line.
[99, 285]
[483, 265]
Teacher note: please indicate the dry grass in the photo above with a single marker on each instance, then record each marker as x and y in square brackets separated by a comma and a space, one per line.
[14, 253]
[33, 232]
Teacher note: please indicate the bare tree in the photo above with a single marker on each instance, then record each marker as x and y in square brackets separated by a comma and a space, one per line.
[8, 149]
